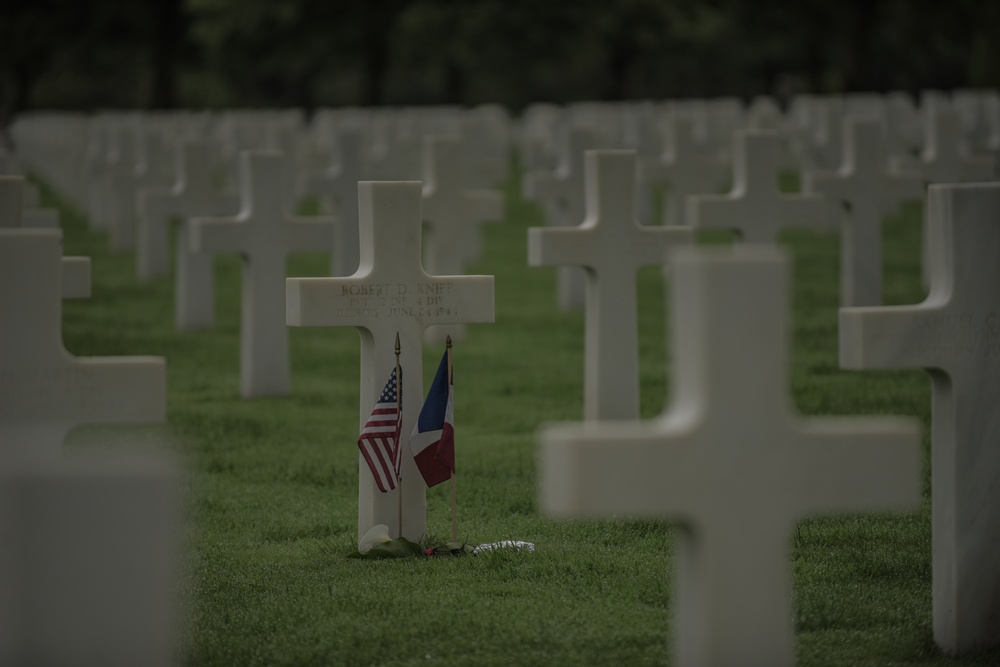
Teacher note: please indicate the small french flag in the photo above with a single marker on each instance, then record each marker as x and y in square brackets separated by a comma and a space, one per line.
[433, 439]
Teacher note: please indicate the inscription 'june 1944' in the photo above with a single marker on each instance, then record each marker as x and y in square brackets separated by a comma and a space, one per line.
[377, 300]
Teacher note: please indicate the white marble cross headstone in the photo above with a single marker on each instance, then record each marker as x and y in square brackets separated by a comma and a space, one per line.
[611, 246]
[755, 208]
[45, 391]
[75, 271]
[453, 214]
[684, 167]
[955, 335]
[390, 293]
[730, 460]
[561, 194]
[339, 184]
[869, 191]
[264, 235]
[192, 194]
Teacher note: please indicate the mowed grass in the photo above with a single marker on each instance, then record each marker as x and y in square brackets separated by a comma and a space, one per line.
[272, 483]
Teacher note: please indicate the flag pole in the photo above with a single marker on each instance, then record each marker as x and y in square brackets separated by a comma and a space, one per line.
[454, 506]
[399, 453]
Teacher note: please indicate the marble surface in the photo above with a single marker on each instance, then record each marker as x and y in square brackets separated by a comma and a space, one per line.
[263, 235]
[390, 294]
[45, 390]
[730, 460]
[955, 335]
[89, 562]
[611, 245]
[683, 169]
[868, 191]
[755, 208]
[193, 193]
[561, 194]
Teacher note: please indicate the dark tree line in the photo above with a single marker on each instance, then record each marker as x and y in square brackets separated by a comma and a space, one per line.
[92, 54]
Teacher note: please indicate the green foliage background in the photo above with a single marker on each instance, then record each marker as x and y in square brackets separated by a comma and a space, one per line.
[94, 54]
[272, 483]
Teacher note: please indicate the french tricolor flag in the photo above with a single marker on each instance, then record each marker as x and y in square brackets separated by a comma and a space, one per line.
[433, 439]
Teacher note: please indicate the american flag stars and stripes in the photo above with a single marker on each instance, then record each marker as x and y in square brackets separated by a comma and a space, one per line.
[379, 439]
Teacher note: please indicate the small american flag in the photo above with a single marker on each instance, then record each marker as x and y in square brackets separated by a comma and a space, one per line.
[379, 440]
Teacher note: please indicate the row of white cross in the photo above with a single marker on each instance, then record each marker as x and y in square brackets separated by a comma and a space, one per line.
[731, 419]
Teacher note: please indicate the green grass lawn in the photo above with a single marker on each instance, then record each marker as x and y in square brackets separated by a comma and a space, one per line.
[272, 483]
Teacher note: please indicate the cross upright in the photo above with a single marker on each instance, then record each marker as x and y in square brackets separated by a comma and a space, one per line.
[264, 235]
[955, 335]
[755, 208]
[75, 271]
[44, 390]
[453, 214]
[561, 195]
[611, 245]
[339, 185]
[192, 194]
[684, 168]
[389, 294]
[869, 191]
[730, 460]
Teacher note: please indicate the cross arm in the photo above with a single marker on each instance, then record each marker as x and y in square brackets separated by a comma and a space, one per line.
[859, 465]
[330, 302]
[561, 246]
[831, 184]
[716, 212]
[889, 337]
[212, 235]
[157, 205]
[617, 469]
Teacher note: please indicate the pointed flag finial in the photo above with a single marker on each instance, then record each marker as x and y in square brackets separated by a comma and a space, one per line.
[447, 342]
[397, 343]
